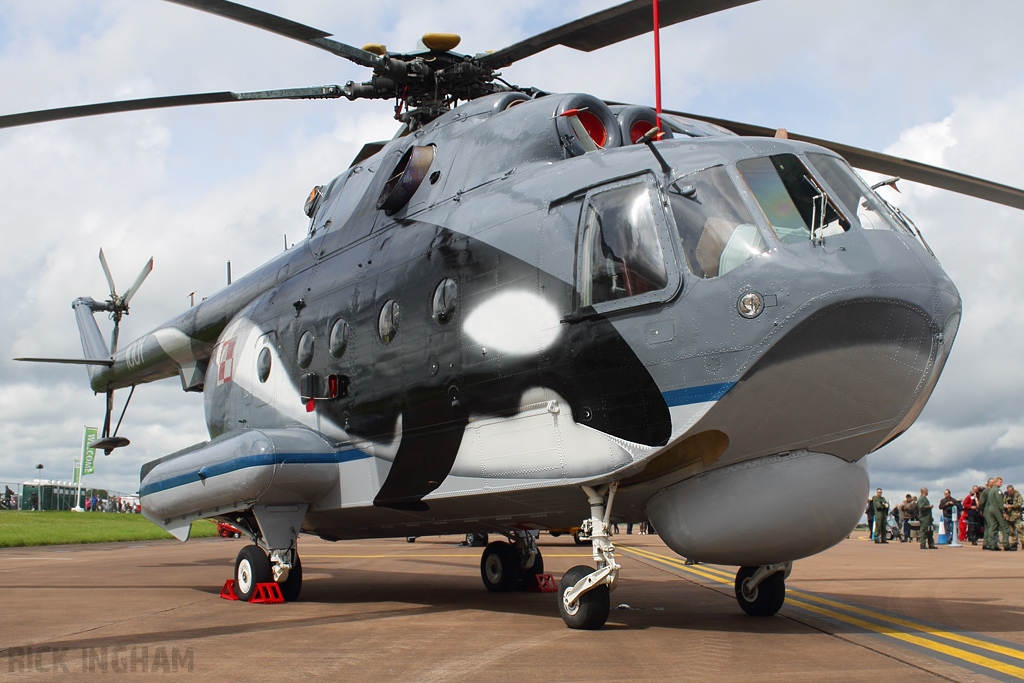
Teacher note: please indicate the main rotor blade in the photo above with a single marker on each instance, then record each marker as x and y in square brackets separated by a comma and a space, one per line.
[608, 27]
[935, 176]
[146, 270]
[45, 115]
[106, 272]
[284, 27]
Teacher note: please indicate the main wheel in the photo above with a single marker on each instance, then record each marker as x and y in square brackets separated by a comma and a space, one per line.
[252, 566]
[590, 611]
[764, 600]
[578, 537]
[475, 540]
[526, 575]
[499, 567]
[292, 586]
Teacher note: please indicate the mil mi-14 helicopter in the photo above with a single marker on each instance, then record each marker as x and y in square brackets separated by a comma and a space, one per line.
[525, 311]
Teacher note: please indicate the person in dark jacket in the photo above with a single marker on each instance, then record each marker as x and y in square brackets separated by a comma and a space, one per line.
[949, 505]
[881, 506]
[924, 517]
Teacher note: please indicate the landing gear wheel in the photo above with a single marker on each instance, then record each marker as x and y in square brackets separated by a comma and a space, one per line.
[499, 567]
[590, 611]
[578, 537]
[764, 600]
[252, 566]
[474, 540]
[292, 586]
[526, 575]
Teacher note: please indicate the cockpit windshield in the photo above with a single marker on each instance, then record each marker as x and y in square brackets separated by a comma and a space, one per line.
[716, 230]
[796, 207]
[855, 195]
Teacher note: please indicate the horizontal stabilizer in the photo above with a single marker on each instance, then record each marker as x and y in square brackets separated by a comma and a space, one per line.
[109, 362]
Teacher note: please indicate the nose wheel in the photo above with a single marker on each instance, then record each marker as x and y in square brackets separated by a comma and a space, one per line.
[583, 597]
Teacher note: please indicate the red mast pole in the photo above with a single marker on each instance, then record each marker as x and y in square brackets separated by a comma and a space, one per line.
[657, 65]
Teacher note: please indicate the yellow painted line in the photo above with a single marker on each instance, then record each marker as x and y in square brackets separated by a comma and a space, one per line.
[720, 576]
[420, 555]
[956, 653]
[931, 630]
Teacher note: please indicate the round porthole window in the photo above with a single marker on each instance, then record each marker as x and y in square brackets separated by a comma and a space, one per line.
[304, 354]
[444, 301]
[263, 364]
[387, 324]
[339, 338]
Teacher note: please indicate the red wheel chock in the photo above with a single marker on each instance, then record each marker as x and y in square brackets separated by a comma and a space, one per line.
[543, 583]
[228, 591]
[266, 593]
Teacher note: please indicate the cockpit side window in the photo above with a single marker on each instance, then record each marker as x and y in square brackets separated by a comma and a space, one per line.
[791, 199]
[855, 195]
[715, 227]
[621, 249]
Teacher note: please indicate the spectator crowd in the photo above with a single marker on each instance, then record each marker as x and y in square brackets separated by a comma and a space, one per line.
[986, 513]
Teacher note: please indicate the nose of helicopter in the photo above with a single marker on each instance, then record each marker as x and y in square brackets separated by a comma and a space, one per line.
[849, 373]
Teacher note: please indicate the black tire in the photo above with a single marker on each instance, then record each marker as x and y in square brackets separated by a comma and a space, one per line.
[767, 598]
[499, 567]
[252, 567]
[526, 577]
[591, 609]
[578, 537]
[475, 540]
[292, 586]
[555, 534]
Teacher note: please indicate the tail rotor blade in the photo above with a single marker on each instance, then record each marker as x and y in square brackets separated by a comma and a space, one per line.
[146, 270]
[106, 272]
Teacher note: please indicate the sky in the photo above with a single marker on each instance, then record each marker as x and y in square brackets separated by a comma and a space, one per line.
[936, 81]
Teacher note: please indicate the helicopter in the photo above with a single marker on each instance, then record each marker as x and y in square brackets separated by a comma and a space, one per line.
[460, 331]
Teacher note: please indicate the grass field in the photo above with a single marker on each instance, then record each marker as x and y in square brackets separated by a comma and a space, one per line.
[19, 529]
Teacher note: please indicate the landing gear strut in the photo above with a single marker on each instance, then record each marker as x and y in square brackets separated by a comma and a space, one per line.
[584, 596]
[762, 590]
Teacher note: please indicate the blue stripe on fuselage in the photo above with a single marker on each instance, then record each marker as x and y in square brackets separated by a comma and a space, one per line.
[259, 460]
[701, 394]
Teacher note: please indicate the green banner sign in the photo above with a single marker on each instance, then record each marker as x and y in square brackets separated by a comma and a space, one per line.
[77, 474]
[88, 453]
